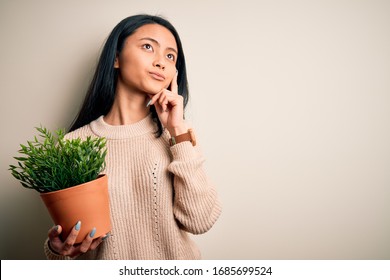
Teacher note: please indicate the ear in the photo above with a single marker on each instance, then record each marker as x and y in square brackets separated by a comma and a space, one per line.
[116, 62]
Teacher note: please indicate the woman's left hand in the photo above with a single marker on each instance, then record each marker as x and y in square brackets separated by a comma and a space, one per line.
[169, 106]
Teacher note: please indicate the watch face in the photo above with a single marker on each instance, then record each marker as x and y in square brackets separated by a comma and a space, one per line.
[173, 141]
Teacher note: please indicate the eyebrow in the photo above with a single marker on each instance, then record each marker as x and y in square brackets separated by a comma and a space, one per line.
[155, 41]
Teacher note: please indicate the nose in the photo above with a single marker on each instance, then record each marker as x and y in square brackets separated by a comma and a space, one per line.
[158, 62]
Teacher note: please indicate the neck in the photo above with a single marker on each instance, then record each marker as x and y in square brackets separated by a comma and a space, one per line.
[129, 107]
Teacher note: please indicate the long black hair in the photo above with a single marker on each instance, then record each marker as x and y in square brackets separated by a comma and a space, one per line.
[101, 92]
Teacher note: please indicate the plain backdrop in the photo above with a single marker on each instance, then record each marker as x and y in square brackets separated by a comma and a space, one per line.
[290, 101]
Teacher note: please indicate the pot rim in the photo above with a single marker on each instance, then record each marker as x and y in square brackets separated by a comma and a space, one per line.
[100, 177]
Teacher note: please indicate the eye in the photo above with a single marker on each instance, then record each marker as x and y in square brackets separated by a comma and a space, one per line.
[147, 47]
[171, 56]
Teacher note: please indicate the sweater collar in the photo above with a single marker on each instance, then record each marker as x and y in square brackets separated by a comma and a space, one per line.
[103, 129]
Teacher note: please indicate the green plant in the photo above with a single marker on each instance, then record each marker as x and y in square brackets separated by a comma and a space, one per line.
[55, 163]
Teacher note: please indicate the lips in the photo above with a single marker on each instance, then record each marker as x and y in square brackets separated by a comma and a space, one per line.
[157, 76]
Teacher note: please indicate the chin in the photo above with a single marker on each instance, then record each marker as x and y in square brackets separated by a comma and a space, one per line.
[154, 89]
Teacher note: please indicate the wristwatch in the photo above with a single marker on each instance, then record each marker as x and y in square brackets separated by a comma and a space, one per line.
[188, 136]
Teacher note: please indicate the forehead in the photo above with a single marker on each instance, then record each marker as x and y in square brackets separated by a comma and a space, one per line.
[156, 32]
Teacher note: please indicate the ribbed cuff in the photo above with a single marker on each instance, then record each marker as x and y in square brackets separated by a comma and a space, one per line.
[50, 254]
[183, 151]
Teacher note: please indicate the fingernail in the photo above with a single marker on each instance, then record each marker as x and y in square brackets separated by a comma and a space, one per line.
[92, 234]
[150, 101]
[56, 228]
[77, 226]
[177, 72]
[106, 236]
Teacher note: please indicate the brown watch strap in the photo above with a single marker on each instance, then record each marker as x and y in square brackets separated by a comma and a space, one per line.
[188, 136]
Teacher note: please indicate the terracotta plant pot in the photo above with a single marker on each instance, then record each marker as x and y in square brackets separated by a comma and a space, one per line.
[88, 203]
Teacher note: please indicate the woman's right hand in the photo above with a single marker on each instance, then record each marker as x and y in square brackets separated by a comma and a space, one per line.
[67, 247]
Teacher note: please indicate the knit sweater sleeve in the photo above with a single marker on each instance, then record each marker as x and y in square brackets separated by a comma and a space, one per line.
[196, 205]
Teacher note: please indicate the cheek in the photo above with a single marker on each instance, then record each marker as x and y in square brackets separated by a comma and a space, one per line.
[128, 75]
[171, 73]
[130, 70]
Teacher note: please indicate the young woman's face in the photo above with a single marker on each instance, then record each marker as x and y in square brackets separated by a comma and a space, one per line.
[147, 60]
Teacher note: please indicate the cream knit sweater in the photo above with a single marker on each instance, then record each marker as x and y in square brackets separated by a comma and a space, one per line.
[158, 194]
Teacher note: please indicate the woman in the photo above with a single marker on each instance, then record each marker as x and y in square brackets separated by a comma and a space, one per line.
[159, 191]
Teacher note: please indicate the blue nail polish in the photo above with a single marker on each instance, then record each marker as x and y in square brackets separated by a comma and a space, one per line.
[106, 236]
[77, 226]
[147, 105]
[92, 234]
